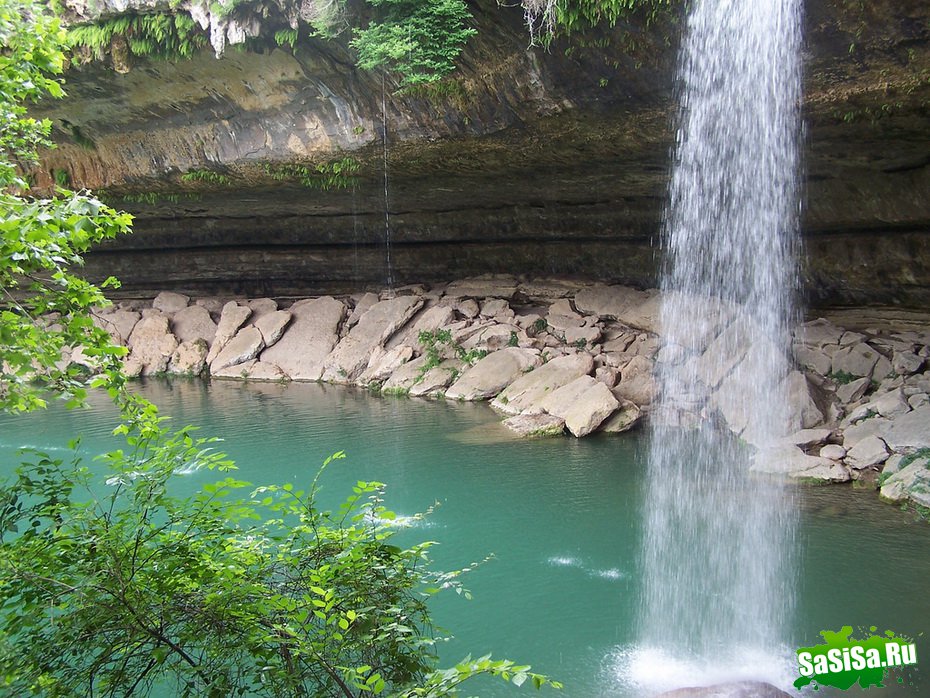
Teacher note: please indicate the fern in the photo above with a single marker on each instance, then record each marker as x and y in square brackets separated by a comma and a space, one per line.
[161, 35]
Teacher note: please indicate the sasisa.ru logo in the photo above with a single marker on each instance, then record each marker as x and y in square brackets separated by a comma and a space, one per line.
[844, 660]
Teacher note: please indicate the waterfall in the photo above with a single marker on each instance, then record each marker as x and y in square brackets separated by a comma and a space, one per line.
[717, 552]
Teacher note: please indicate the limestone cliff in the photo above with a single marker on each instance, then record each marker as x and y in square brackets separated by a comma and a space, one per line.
[527, 160]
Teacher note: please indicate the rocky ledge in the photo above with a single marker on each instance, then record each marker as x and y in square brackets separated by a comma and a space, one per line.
[554, 356]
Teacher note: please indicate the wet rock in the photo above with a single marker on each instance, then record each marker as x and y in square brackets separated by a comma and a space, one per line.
[535, 424]
[490, 375]
[190, 358]
[805, 438]
[813, 359]
[231, 319]
[912, 482]
[802, 408]
[794, 463]
[272, 325]
[264, 371]
[168, 302]
[633, 308]
[584, 404]
[738, 689]
[152, 345]
[866, 453]
[637, 383]
[528, 390]
[625, 418]
[910, 431]
[350, 356]
[245, 346]
[308, 340]
[818, 333]
[193, 322]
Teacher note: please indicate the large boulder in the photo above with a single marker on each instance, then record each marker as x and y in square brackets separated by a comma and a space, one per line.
[625, 418]
[535, 424]
[384, 362]
[117, 323]
[525, 393]
[245, 346]
[350, 356]
[169, 302]
[639, 309]
[193, 322]
[433, 383]
[272, 325]
[151, 345]
[490, 375]
[912, 482]
[584, 404]
[737, 689]
[792, 462]
[308, 340]
[231, 319]
[637, 382]
[190, 358]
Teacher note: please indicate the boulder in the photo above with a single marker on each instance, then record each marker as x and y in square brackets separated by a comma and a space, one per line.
[231, 319]
[490, 375]
[802, 408]
[362, 306]
[190, 358]
[794, 463]
[168, 302]
[813, 359]
[910, 482]
[852, 391]
[494, 306]
[350, 357]
[261, 307]
[428, 319]
[245, 346]
[818, 333]
[627, 305]
[468, 308]
[833, 452]
[213, 305]
[872, 426]
[272, 325]
[152, 345]
[193, 322]
[918, 400]
[623, 419]
[528, 390]
[264, 371]
[583, 403]
[910, 431]
[433, 383]
[637, 382]
[892, 404]
[857, 360]
[866, 453]
[384, 362]
[535, 424]
[905, 363]
[308, 340]
[606, 375]
[405, 377]
[805, 438]
[117, 323]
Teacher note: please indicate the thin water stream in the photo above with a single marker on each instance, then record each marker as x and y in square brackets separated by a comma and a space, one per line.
[563, 516]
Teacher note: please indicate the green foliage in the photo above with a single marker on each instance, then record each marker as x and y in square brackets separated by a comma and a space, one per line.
[546, 19]
[62, 178]
[842, 377]
[439, 345]
[336, 174]
[208, 176]
[420, 39]
[163, 35]
[45, 308]
[541, 325]
[286, 37]
[116, 588]
[919, 454]
[514, 340]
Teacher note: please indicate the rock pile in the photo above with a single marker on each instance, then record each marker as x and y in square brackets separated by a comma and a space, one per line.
[555, 356]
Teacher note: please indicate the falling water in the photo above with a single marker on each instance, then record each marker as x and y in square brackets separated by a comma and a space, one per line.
[387, 216]
[718, 568]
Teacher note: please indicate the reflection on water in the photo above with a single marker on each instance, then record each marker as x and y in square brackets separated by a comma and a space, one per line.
[562, 517]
